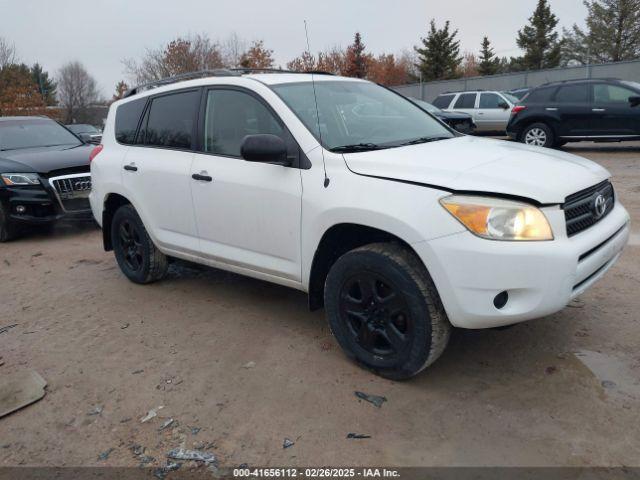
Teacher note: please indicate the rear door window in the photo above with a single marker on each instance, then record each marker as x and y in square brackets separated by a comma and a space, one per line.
[573, 94]
[539, 95]
[490, 100]
[127, 119]
[466, 100]
[443, 101]
[172, 119]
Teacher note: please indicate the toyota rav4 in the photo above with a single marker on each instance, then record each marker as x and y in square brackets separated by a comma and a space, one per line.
[399, 226]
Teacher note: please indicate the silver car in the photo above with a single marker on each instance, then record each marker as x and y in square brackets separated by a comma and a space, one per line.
[490, 110]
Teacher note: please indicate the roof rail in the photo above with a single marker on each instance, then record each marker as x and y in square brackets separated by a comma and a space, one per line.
[277, 70]
[220, 72]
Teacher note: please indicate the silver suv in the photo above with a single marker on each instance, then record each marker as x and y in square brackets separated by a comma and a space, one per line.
[490, 109]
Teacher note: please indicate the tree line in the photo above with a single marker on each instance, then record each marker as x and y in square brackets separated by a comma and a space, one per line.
[612, 33]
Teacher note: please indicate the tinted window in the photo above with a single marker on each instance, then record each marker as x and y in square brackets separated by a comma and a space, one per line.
[539, 95]
[572, 94]
[603, 93]
[171, 120]
[466, 100]
[490, 100]
[230, 116]
[17, 134]
[443, 101]
[127, 119]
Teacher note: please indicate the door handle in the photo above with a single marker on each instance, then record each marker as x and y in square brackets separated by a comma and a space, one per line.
[131, 168]
[202, 177]
[551, 109]
[598, 109]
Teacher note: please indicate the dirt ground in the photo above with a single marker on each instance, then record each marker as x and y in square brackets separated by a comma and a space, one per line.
[245, 362]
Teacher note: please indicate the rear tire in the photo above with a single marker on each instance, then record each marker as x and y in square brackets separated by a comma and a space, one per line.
[385, 311]
[8, 230]
[136, 254]
[538, 135]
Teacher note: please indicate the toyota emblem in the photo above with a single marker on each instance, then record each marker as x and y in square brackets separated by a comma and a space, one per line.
[600, 206]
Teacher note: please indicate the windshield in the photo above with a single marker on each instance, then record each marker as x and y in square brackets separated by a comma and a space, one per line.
[359, 116]
[635, 85]
[82, 128]
[427, 106]
[512, 98]
[31, 133]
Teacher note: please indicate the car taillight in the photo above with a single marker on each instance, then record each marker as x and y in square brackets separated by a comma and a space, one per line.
[518, 109]
[94, 153]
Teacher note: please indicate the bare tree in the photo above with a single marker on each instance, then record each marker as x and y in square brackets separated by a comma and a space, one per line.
[181, 55]
[77, 90]
[8, 54]
[233, 48]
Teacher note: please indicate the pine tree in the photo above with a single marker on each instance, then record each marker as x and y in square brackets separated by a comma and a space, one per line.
[489, 63]
[356, 60]
[46, 86]
[439, 58]
[612, 33]
[539, 39]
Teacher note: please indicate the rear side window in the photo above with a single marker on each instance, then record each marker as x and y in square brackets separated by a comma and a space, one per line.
[171, 120]
[539, 95]
[573, 94]
[466, 100]
[490, 100]
[127, 119]
[230, 116]
[603, 93]
[443, 101]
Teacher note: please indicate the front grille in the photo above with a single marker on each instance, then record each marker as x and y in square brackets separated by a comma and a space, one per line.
[586, 208]
[73, 191]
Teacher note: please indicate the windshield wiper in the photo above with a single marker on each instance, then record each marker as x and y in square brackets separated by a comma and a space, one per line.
[420, 140]
[357, 147]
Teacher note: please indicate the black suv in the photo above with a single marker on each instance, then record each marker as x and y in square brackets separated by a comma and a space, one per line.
[44, 174]
[553, 114]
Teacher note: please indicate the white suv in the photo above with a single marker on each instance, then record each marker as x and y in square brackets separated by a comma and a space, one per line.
[490, 111]
[400, 227]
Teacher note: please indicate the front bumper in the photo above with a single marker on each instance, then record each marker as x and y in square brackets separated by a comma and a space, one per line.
[540, 278]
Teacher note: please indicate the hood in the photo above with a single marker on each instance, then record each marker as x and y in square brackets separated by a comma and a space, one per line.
[471, 164]
[45, 159]
[454, 115]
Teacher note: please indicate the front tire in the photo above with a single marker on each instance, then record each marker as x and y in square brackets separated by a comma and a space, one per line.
[538, 135]
[137, 256]
[385, 311]
[8, 230]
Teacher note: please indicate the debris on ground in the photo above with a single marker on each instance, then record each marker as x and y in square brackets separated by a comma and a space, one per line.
[126, 325]
[125, 420]
[136, 372]
[137, 449]
[374, 399]
[357, 436]
[151, 414]
[19, 390]
[288, 443]
[7, 328]
[166, 424]
[249, 365]
[104, 455]
[195, 430]
[7, 262]
[161, 472]
[191, 455]
[608, 384]
[97, 410]
[550, 370]
[36, 255]
[145, 460]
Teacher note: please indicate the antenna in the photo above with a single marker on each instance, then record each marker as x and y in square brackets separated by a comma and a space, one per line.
[315, 97]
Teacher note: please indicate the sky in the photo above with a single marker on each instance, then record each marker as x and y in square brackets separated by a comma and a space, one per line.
[101, 33]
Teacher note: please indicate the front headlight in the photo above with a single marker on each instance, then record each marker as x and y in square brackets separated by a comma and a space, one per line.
[18, 179]
[498, 219]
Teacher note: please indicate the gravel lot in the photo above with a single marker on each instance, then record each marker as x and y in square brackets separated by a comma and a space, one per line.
[247, 364]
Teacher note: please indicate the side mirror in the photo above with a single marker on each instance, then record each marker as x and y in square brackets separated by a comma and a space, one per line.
[85, 137]
[503, 105]
[634, 101]
[264, 148]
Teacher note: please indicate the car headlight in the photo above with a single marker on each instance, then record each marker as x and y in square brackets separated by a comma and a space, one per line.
[498, 219]
[18, 179]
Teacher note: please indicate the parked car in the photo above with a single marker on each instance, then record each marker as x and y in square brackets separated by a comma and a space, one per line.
[44, 174]
[462, 122]
[490, 110]
[87, 133]
[519, 93]
[399, 226]
[573, 111]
